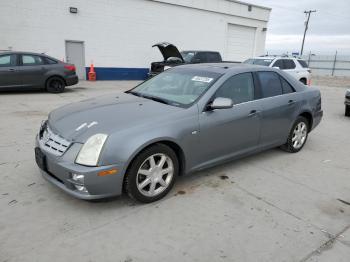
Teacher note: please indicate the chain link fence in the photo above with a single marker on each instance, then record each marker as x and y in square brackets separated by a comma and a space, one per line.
[328, 65]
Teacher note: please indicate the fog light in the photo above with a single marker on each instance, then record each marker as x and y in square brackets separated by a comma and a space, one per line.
[78, 178]
[79, 185]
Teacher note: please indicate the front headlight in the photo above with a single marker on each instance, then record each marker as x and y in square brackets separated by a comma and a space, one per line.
[90, 151]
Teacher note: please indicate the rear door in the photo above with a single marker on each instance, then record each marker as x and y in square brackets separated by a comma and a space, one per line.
[9, 71]
[226, 133]
[278, 108]
[32, 70]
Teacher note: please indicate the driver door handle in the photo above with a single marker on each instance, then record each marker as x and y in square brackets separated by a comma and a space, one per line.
[253, 112]
[12, 70]
[291, 102]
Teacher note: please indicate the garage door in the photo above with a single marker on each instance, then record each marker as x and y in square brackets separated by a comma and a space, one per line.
[240, 42]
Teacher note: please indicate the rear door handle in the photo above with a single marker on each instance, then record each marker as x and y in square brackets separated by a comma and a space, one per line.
[12, 70]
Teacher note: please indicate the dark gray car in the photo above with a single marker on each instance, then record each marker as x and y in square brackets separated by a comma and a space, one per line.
[186, 119]
[22, 70]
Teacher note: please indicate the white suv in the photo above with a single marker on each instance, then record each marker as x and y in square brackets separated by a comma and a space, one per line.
[298, 68]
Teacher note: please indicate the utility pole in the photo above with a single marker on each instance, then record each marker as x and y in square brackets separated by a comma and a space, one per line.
[308, 13]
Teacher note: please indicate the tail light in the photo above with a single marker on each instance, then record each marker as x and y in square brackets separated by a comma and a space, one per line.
[309, 82]
[70, 67]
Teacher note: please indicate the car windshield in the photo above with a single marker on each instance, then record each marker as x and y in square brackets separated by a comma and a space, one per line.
[263, 62]
[187, 56]
[178, 87]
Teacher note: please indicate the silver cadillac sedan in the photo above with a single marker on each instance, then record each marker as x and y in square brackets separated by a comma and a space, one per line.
[186, 119]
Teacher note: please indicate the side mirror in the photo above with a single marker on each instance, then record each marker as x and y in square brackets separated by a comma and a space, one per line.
[221, 103]
[277, 67]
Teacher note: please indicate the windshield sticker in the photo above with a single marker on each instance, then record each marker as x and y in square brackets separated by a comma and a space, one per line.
[202, 79]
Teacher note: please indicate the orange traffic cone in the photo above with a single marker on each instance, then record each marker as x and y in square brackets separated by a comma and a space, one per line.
[92, 73]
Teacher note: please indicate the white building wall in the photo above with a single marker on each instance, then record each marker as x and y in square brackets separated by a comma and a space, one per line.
[120, 33]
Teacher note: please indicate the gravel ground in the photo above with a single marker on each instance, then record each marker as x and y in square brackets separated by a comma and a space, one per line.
[272, 206]
[335, 81]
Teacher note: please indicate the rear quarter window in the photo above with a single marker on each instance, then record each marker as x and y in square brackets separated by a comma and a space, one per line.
[303, 63]
[50, 61]
[286, 87]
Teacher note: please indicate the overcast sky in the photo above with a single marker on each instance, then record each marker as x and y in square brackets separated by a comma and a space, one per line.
[329, 27]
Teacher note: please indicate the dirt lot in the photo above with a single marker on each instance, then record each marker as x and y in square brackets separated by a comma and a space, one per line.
[273, 206]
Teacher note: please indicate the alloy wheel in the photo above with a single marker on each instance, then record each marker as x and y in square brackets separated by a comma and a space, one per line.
[299, 135]
[155, 175]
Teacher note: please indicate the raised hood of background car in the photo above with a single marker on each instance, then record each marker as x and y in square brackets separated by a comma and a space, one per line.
[168, 50]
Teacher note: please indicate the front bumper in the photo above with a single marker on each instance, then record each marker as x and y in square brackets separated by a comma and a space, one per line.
[59, 170]
[317, 118]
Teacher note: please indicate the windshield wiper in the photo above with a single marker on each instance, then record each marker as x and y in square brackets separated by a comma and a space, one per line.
[157, 99]
[154, 98]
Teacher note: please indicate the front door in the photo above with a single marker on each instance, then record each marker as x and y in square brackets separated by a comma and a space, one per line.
[9, 71]
[226, 133]
[75, 54]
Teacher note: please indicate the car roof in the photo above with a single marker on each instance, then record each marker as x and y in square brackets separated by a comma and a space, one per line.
[275, 57]
[200, 51]
[21, 52]
[223, 68]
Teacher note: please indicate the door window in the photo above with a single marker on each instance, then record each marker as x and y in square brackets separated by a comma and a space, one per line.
[30, 60]
[200, 57]
[279, 63]
[214, 57]
[270, 84]
[239, 88]
[7, 60]
[289, 64]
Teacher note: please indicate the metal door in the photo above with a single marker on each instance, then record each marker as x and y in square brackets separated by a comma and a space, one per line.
[75, 54]
[229, 132]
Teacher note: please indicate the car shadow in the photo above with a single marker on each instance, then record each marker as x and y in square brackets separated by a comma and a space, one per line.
[214, 177]
[40, 91]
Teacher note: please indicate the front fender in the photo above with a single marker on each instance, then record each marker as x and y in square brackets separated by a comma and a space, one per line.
[122, 147]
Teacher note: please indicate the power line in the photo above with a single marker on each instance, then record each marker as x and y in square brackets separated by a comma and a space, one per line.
[308, 13]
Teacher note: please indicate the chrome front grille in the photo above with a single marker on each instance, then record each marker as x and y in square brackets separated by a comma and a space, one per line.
[53, 143]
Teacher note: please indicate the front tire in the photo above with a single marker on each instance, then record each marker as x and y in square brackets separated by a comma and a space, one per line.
[152, 174]
[297, 136]
[347, 110]
[55, 85]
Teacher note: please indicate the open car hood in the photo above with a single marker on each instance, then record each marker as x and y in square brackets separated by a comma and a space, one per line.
[168, 50]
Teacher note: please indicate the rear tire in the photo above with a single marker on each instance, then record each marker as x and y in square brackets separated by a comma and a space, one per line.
[297, 136]
[152, 174]
[347, 110]
[55, 85]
